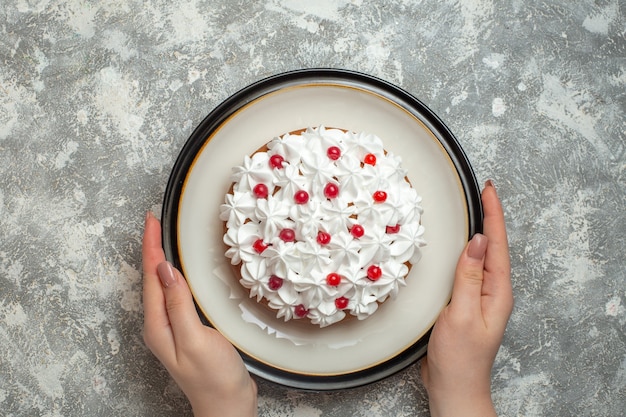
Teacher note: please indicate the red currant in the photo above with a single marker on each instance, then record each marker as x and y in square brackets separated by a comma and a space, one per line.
[300, 310]
[393, 229]
[287, 235]
[331, 190]
[275, 283]
[333, 279]
[374, 272]
[333, 153]
[259, 246]
[301, 197]
[370, 159]
[260, 190]
[357, 231]
[379, 196]
[323, 238]
[341, 303]
[276, 161]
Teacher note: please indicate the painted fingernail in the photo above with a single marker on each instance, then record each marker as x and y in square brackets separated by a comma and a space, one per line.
[490, 183]
[477, 246]
[166, 274]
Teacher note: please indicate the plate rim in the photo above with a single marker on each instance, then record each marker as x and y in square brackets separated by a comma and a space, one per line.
[322, 76]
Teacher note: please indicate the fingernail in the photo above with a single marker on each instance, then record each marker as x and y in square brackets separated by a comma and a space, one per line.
[490, 183]
[166, 274]
[149, 215]
[477, 246]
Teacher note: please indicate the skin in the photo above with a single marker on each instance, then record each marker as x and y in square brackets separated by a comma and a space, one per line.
[461, 351]
[203, 363]
[468, 333]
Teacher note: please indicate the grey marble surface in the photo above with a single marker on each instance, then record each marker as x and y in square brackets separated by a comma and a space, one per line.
[97, 99]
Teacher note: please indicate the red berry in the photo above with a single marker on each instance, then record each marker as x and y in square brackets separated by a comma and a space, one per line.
[331, 190]
[276, 161]
[260, 190]
[323, 238]
[374, 272]
[333, 279]
[259, 246]
[333, 153]
[357, 231]
[287, 235]
[393, 229]
[275, 283]
[341, 303]
[370, 159]
[379, 196]
[301, 197]
[300, 310]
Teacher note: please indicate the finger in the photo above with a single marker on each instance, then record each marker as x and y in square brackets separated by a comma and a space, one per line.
[157, 332]
[181, 310]
[468, 281]
[497, 281]
[494, 228]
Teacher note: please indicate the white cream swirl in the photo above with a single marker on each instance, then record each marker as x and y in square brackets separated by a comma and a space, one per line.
[331, 229]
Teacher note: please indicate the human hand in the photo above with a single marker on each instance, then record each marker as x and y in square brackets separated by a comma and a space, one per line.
[468, 333]
[202, 362]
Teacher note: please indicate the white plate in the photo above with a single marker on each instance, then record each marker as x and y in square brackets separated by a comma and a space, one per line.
[294, 353]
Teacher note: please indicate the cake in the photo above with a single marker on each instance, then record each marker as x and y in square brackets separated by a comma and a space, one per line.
[322, 224]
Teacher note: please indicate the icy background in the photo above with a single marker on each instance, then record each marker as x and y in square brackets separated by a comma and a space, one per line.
[97, 99]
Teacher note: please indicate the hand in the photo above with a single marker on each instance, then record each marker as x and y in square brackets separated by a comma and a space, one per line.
[469, 331]
[202, 362]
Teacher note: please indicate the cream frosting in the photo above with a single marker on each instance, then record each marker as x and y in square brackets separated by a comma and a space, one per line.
[291, 271]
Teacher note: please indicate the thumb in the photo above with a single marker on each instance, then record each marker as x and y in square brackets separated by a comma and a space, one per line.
[179, 304]
[468, 280]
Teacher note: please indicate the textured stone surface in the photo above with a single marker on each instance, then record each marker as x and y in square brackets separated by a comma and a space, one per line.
[97, 98]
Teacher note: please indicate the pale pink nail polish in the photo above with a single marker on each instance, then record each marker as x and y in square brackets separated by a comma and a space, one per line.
[477, 246]
[166, 274]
